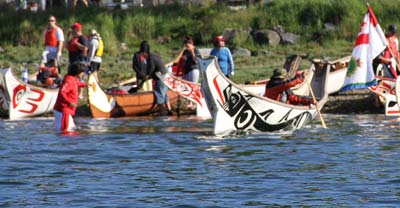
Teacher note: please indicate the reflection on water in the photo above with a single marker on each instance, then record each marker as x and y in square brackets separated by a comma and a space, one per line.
[176, 162]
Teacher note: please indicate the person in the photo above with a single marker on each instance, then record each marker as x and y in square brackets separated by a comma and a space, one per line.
[77, 44]
[224, 56]
[389, 58]
[190, 64]
[147, 65]
[278, 88]
[53, 42]
[67, 99]
[48, 74]
[96, 47]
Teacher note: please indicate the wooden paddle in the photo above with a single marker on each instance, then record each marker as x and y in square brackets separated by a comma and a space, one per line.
[315, 103]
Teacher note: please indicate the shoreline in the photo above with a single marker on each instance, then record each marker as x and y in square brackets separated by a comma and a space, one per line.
[361, 101]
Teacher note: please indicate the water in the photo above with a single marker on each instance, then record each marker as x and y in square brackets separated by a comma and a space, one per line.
[169, 162]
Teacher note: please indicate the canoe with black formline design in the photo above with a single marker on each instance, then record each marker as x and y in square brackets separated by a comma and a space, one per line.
[235, 109]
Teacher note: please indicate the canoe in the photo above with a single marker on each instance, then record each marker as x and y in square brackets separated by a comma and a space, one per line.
[236, 110]
[386, 95]
[105, 105]
[19, 100]
[188, 90]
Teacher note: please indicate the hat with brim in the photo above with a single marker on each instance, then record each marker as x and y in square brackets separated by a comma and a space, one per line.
[279, 73]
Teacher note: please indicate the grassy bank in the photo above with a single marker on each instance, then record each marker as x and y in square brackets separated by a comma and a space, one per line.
[165, 27]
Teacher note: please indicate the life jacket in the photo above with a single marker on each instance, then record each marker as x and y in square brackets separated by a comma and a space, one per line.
[100, 49]
[50, 37]
[394, 48]
[73, 47]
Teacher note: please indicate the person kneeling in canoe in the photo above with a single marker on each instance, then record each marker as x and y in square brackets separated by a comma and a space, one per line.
[67, 99]
[278, 88]
[48, 74]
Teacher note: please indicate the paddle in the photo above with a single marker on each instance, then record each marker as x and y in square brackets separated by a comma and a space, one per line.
[315, 103]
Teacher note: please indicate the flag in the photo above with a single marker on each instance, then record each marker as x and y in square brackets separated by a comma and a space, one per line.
[370, 43]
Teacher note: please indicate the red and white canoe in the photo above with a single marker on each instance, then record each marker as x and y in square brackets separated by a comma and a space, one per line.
[235, 109]
[19, 100]
[388, 92]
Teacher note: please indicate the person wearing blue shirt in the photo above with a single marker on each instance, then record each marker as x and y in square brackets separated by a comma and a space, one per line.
[223, 55]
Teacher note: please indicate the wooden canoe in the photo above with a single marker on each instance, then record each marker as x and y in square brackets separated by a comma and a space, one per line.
[20, 100]
[104, 105]
[235, 109]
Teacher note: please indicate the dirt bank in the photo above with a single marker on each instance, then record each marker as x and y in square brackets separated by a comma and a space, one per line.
[353, 102]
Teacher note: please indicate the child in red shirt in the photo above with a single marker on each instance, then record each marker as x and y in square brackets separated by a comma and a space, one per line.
[67, 99]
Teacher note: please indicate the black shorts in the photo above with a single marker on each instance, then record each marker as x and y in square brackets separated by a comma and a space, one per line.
[94, 66]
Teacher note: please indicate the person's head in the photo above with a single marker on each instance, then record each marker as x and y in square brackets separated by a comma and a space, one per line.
[52, 21]
[144, 47]
[76, 28]
[219, 41]
[188, 40]
[392, 29]
[279, 73]
[77, 69]
[93, 32]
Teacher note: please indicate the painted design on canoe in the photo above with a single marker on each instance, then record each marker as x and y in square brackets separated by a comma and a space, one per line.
[20, 100]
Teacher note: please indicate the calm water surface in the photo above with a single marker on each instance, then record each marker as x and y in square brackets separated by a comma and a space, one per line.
[170, 162]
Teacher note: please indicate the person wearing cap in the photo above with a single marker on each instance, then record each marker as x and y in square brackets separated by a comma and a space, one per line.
[96, 47]
[224, 56]
[77, 44]
[53, 42]
[390, 56]
[278, 88]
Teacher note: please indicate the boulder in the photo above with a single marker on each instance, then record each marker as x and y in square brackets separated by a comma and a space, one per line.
[242, 52]
[266, 36]
[289, 38]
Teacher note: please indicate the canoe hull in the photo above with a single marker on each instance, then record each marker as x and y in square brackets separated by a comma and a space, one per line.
[103, 105]
[235, 109]
[19, 100]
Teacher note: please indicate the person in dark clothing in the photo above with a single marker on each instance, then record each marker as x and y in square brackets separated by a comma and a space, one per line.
[146, 65]
[192, 70]
[278, 88]
[77, 46]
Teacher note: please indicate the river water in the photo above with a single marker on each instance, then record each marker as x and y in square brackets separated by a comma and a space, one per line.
[176, 162]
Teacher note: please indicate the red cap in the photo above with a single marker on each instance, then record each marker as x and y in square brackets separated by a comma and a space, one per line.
[76, 25]
[218, 38]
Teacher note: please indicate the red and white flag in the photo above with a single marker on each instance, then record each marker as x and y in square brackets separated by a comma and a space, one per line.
[370, 43]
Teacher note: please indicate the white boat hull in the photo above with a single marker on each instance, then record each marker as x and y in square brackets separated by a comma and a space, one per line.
[235, 109]
[19, 100]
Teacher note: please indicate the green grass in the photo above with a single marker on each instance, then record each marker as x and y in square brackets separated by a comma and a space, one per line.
[166, 26]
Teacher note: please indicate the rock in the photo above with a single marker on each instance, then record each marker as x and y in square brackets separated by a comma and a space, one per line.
[286, 37]
[266, 36]
[289, 38]
[242, 52]
[229, 34]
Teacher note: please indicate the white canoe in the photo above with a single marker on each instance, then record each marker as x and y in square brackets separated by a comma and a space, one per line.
[235, 109]
[386, 92]
[20, 100]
